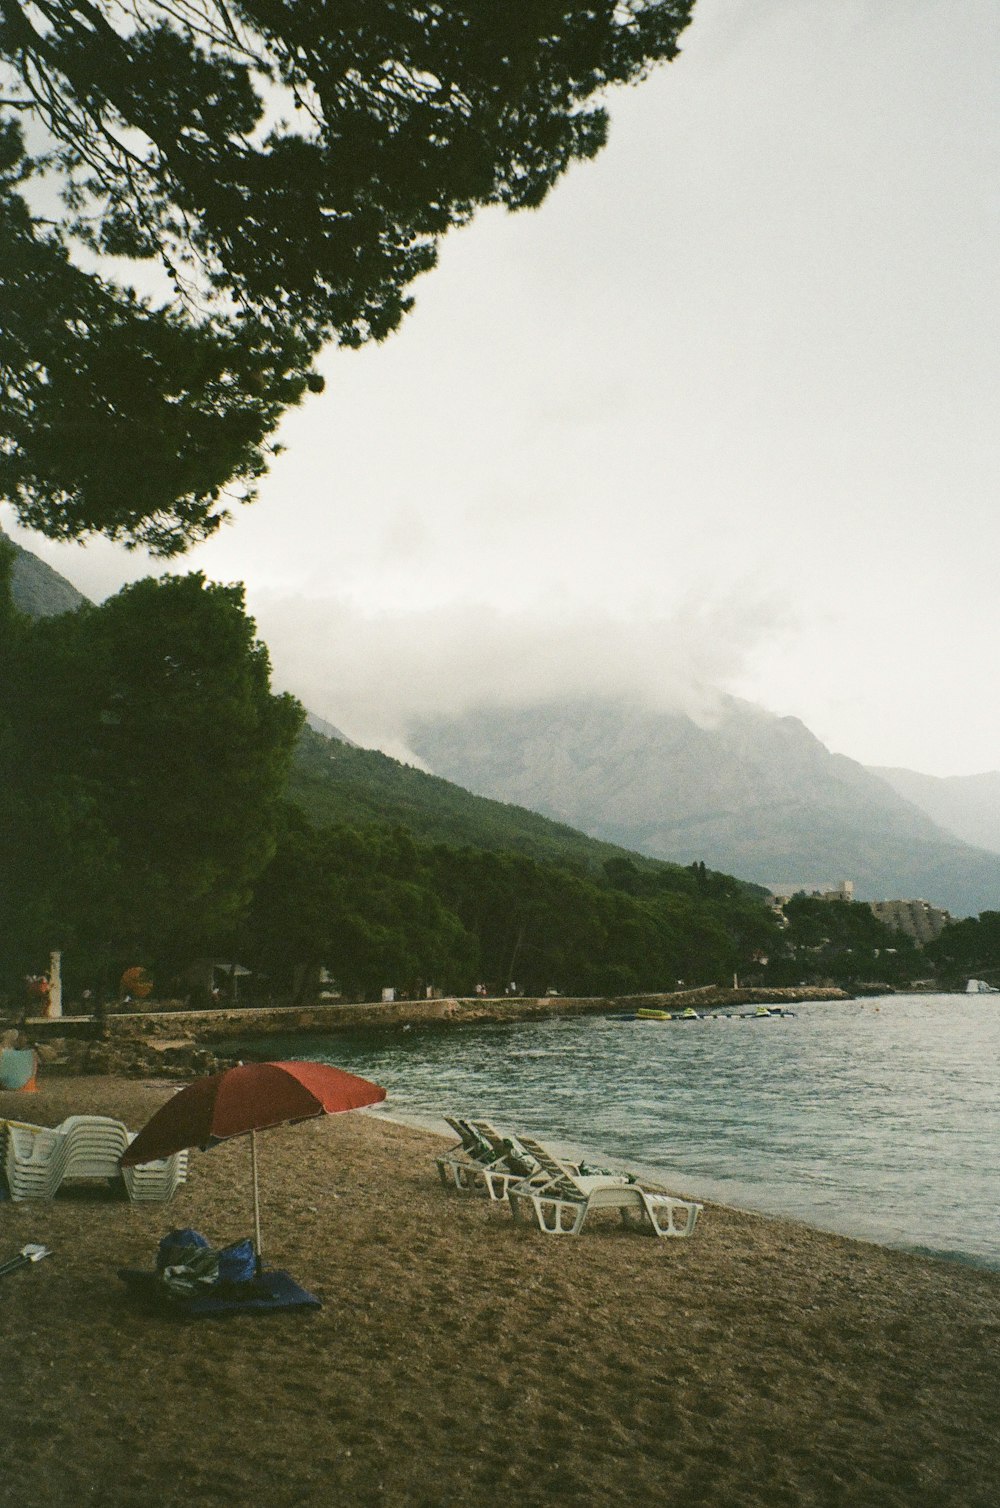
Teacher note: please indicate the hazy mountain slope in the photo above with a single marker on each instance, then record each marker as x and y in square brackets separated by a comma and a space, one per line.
[966, 805]
[327, 730]
[341, 783]
[755, 795]
[37, 589]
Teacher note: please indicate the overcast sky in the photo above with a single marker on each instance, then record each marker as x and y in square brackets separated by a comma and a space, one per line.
[723, 411]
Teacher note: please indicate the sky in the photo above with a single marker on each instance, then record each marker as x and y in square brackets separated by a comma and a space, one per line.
[720, 416]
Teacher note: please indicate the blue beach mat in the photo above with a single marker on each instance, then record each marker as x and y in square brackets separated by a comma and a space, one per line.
[191, 1278]
[272, 1290]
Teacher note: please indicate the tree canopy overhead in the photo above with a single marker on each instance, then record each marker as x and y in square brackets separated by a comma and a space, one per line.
[290, 165]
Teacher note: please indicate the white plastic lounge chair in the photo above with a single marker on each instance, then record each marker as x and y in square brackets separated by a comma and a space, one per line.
[561, 1204]
[155, 1182]
[94, 1145]
[486, 1160]
[33, 1160]
[463, 1165]
[510, 1162]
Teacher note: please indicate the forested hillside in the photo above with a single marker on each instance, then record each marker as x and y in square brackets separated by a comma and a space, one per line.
[378, 907]
[338, 782]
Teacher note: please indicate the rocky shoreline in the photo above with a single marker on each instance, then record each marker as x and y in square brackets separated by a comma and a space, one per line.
[179, 1043]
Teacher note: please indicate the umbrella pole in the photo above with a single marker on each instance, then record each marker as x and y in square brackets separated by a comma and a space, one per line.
[256, 1198]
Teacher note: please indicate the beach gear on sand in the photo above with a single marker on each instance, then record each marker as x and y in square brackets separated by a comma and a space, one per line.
[246, 1099]
[18, 1067]
[25, 1257]
[192, 1278]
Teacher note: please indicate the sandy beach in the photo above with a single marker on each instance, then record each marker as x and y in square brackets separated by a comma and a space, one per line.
[460, 1360]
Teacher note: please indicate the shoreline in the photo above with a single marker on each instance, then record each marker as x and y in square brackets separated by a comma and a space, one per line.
[461, 1360]
[652, 1173]
[208, 1028]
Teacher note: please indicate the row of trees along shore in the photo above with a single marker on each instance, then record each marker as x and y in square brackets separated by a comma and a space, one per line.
[145, 765]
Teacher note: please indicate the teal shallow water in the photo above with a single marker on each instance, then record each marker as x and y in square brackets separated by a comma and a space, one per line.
[877, 1119]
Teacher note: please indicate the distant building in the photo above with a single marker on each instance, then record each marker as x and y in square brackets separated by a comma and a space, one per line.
[918, 919]
[843, 892]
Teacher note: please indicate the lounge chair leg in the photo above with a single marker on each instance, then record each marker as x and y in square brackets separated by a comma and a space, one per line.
[552, 1223]
[661, 1213]
[500, 1183]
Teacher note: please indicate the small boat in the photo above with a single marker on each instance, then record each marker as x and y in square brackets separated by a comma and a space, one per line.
[980, 987]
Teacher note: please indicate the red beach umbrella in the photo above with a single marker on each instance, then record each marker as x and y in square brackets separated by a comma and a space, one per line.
[246, 1099]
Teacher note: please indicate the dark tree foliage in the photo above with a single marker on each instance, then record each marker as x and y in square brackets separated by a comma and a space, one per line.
[844, 942]
[120, 418]
[378, 908]
[142, 759]
[969, 947]
[358, 901]
[291, 164]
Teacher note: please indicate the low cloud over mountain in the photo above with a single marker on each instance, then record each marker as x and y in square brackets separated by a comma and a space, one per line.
[750, 793]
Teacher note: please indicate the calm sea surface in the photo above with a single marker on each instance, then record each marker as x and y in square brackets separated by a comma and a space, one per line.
[875, 1118]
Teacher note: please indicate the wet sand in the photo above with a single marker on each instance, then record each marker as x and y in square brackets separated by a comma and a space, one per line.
[460, 1360]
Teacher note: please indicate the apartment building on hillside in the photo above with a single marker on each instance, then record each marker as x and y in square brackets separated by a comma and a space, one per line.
[918, 919]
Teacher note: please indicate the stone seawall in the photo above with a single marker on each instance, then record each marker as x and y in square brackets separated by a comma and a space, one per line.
[219, 1025]
[181, 1043]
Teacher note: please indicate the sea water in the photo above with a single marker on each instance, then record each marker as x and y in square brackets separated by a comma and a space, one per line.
[873, 1118]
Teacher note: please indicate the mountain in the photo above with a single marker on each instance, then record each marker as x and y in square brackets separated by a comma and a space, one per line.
[579, 782]
[966, 805]
[37, 589]
[338, 782]
[752, 794]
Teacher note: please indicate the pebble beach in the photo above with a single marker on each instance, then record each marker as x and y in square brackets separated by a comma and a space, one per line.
[459, 1359]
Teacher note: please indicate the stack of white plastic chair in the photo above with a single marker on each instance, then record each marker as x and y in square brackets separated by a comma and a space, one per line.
[37, 1160]
[33, 1160]
[94, 1144]
[155, 1182]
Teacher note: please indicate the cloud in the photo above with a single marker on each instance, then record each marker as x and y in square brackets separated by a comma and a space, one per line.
[375, 673]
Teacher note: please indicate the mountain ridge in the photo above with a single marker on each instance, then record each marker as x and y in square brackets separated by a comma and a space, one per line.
[38, 590]
[966, 805]
[753, 794]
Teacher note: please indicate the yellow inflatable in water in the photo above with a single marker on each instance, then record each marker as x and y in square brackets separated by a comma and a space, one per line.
[650, 1013]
